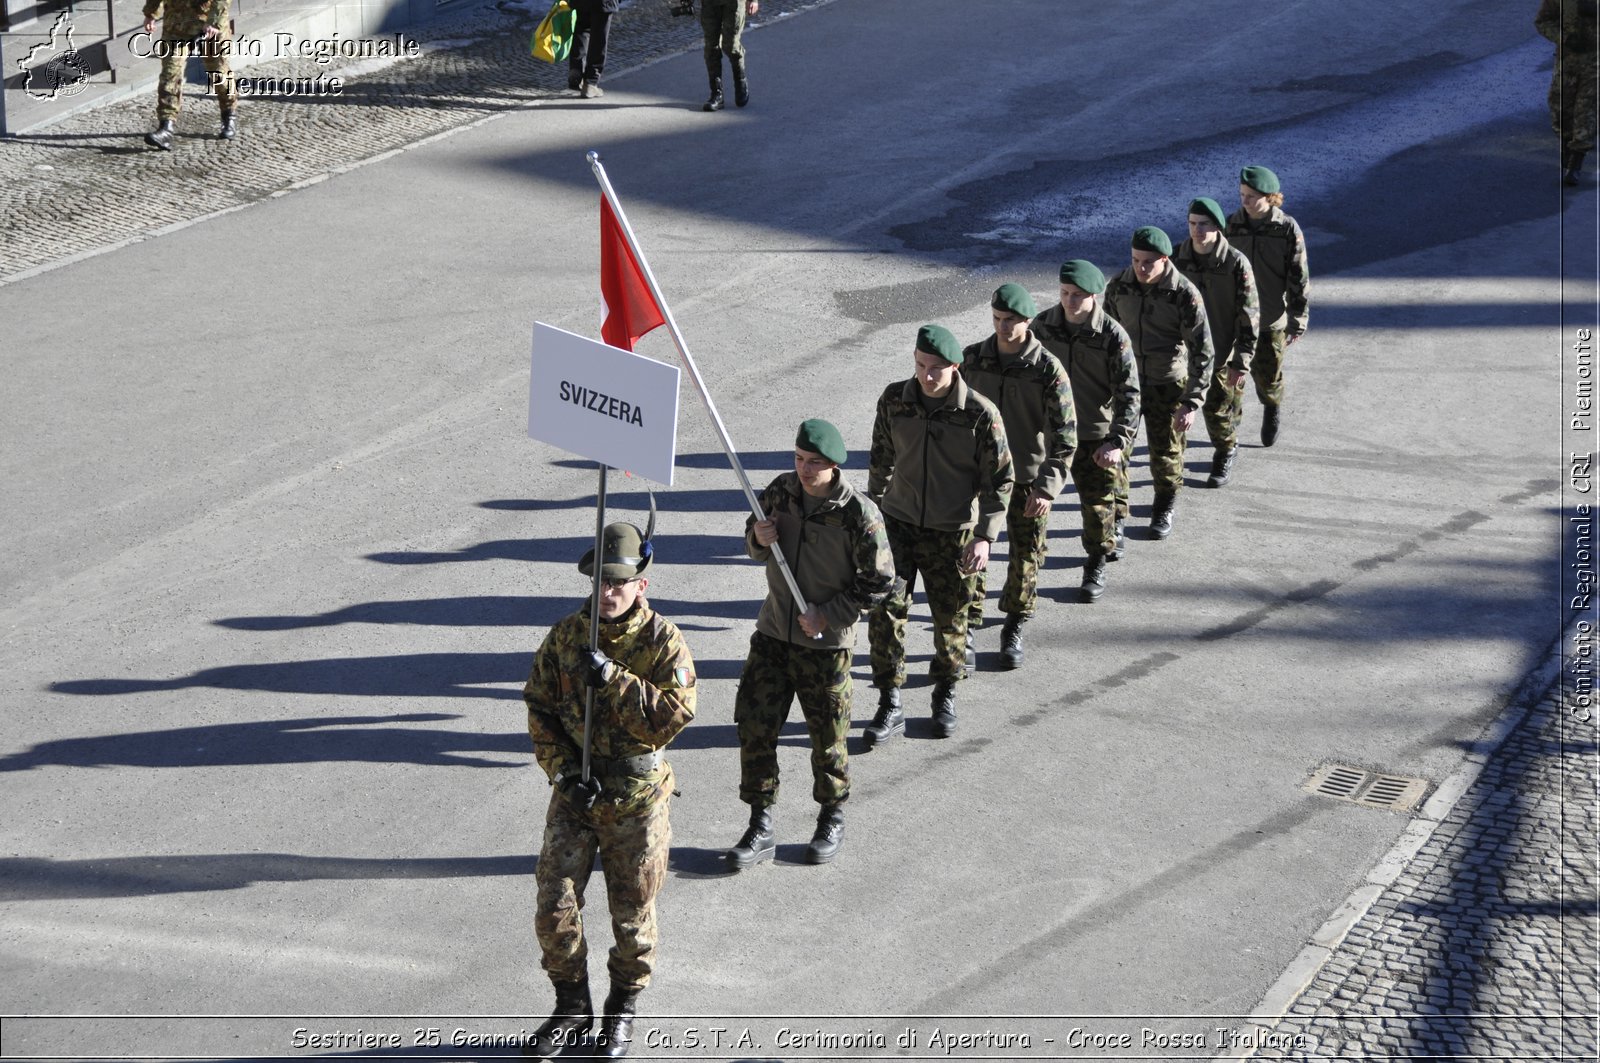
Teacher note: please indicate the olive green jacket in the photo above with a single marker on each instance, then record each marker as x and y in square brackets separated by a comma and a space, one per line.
[948, 470]
[1167, 323]
[1035, 402]
[1098, 357]
[1228, 286]
[1277, 252]
[839, 556]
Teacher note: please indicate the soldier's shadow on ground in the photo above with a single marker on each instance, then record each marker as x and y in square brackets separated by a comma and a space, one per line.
[135, 142]
[491, 610]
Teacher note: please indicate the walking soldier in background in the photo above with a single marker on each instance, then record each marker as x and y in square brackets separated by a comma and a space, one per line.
[644, 694]
[1100, 366]
[1228, 286]
[1570, 26]
[1013, 370]
[941, 473]
[722, 22]
[201, 26]
[1273, 243]
[834, 540]
[1166, 320]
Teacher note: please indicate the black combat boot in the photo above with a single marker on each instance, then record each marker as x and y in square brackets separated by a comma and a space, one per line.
[830, 830]
[1161, 515]
[1571, 166]
[741, 84]
[889, 721]
[616, 1029]
[970, 658]
[715, 103]
[1094, 577]
[230, 126]
[573, 1016]
[161, 136]
[944, 708]
[1269, 425]
[757, 844]
[1119, 533]
[1222, 466]
[1011, 641]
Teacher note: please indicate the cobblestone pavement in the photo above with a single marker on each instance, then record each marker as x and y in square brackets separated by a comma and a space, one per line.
[1485, 945]
[90, 182]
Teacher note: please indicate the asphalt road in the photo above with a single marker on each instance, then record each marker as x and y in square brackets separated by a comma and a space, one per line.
[278, 551]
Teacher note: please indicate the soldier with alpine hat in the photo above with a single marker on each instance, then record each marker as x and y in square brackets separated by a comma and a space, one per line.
[941, 473]
[833, 539]
[643, 680]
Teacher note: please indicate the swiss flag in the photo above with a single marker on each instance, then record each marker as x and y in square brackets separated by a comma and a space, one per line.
[627, 309]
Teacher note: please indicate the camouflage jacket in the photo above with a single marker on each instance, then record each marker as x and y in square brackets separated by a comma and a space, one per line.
[1277, 253]
[644, 706]
[1098, 357]
[1167, 323]
[1569, 24]
[839, 555]
[1035, 402]
[1228, 286]
[949, 469]
[185, 19]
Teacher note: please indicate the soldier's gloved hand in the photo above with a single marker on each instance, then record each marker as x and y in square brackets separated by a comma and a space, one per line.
[580, 791]
[597, 666]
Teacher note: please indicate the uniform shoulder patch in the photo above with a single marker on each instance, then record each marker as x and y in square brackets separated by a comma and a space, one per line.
[683, 677]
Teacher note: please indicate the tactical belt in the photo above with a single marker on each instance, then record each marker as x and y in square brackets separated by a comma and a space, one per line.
[614, 767]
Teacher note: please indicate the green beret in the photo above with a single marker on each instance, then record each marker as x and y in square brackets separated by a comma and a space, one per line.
[1084, 274]
[936, 339]
[1211, 209]
[1259, 178]
[820, 437]
[1150, 238]
[1015, 298]
[627, 553]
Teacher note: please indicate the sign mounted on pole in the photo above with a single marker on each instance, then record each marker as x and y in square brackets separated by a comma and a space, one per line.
[603, 403]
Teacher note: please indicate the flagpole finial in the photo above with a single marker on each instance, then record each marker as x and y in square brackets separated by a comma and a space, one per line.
[593, 157]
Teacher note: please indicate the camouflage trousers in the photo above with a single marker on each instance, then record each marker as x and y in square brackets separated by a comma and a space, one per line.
[1026, 545]
[219, 75]
[774, 674]
[1572, 100]
[633, 859]
[937, 555]
[1166, 444]
[722, 21]
[1266, 368]
[1097, 498]
[1223, 411]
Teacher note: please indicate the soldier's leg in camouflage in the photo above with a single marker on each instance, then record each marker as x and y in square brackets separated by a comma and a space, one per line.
[1579, 135]
[1096, 492]
[711, 28]
[1167, 446]
[886, 640]
[939, 557]
[633, 857]
[220, 77]
[822, 678]
[169, 94]
[733, 45]
[759, 710]
[1224, 406]
[1267, 371]
[560, 878]
[1028, 546]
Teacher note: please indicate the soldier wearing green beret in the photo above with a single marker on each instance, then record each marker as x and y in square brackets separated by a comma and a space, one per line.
[1098, 357]
[1012, 369]
[643, 680]
[833, 539]
[204, 28]
[1570, 26]
[1276, 248]
[941, 473]
[1228, 286]
[1166, 319]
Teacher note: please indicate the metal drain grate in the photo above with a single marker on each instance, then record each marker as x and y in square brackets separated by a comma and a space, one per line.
[1371, 789]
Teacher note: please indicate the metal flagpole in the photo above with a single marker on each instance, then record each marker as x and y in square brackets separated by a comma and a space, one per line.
[594, 608]
[694, 371]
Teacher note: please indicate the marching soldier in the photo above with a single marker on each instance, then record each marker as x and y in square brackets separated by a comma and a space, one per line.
[722, 22]
[1570, 26]
[1166, 320]
[941, 473]
[1099, 361]
[644, 694]
[1013, 370]
[834, 541]
[204, 27]
[1228, 286]
[1273, 243]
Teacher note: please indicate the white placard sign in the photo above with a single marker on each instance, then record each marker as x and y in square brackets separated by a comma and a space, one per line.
[603, 403]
